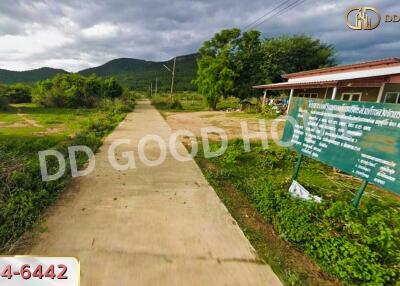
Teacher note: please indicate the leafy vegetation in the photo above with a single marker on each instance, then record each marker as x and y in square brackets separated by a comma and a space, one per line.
[27, 129]
[19, 93]
[216, 74]
[190, 101]
[73, 90]
[358, 246]
[167, 103]
[4, 99]
[294, 54]
[232, 62]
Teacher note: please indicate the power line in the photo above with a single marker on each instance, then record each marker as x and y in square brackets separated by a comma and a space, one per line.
[282, 11]
[295, 5]
[248, 27]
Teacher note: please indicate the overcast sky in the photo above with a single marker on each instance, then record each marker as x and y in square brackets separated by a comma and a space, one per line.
[76, 34]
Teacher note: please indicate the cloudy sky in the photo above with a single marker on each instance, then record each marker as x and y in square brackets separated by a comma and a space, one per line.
[76, 34]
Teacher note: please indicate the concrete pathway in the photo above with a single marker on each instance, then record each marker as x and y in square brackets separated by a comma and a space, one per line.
[150, 225]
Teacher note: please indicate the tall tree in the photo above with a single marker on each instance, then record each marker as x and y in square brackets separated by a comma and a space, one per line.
[216, 71]
[293, 54]
[248, 64]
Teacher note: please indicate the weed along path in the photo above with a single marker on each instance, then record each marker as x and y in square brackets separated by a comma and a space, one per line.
[149, 225]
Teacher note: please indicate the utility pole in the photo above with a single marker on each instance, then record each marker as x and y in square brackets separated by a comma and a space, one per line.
[156, 86]
[151, 89]
[173, 75]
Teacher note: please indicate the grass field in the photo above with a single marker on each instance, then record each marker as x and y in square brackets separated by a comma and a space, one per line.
[190, 102]
[26, 129]
[353, 246]
[29, 120]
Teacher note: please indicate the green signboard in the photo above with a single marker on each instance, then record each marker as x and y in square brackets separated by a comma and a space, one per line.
[359, 138]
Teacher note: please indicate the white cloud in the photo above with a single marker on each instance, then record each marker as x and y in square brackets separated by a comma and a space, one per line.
[101, 31]
[36, 41]
[76, 34]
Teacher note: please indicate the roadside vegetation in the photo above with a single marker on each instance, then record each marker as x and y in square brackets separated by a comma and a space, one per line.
[58, 118]
[191, 101]
[355, 246]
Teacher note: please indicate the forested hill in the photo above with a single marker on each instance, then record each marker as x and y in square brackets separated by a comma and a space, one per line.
[138, 74]
[133, 73]
[10, 77]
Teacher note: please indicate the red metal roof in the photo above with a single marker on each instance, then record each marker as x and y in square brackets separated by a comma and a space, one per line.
[345, 68]
[364, 82]
[289, 85]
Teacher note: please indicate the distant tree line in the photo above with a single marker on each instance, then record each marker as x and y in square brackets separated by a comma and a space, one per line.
[232, 62]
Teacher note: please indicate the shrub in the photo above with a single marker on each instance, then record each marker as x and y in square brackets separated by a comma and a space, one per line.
[267, 111]
[19, 93]
[4, 100]
[229, 103]
[73, 90]
[167, 103]
[112, 89]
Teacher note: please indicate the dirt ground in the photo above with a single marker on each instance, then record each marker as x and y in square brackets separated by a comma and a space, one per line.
[229, 121]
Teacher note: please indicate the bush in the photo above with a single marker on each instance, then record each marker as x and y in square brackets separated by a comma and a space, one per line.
[229, 103]
[167, 103]
[267, 111]
[75, 91]
[4, 100]
[19, 93]
[112, 89]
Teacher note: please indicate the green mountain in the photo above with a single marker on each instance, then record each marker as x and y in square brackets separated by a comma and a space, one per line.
[133, 73]
[10, 77]
[138, 74]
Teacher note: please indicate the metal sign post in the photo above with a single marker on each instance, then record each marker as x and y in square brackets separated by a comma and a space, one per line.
[356, 201]
[297, 168]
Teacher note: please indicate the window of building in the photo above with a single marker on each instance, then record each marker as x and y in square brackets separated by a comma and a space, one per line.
[392, 97]
[351, 96]
[308, 94]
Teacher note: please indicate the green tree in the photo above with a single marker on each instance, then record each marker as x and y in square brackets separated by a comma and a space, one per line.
[293, 54]
[216, 72]
[248, 63]
[112, 89]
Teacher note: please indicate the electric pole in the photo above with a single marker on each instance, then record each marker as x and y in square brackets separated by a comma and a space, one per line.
[156, 86]
[173, 75]
[151, 89]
